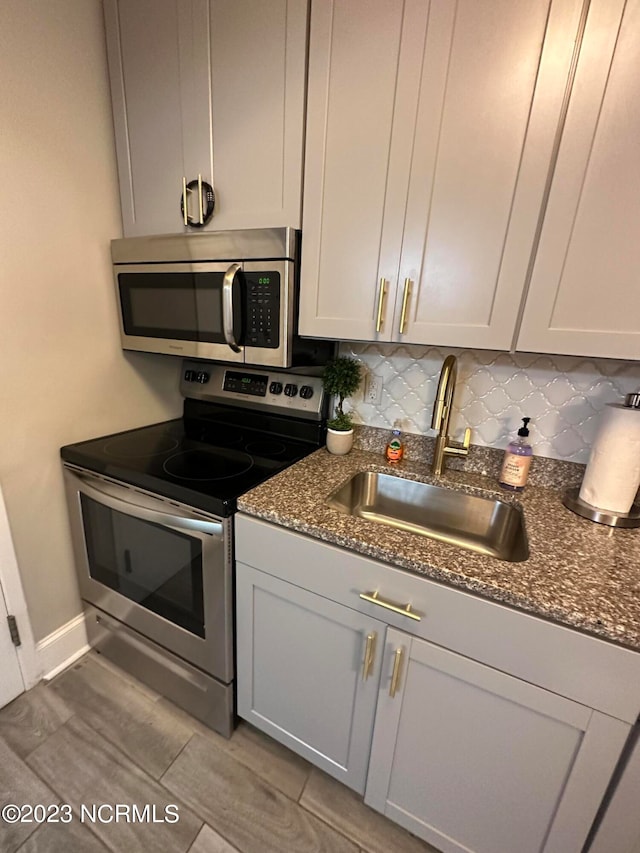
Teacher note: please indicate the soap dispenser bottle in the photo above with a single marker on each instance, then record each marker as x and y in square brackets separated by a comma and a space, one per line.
[395, 450]
[517, 461]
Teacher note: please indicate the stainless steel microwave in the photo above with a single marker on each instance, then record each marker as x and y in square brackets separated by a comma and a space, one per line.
[224, 295]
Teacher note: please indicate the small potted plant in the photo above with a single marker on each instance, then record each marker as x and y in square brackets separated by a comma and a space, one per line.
[341, 378]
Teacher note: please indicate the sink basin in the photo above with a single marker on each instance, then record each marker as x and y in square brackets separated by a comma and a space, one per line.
[483, 525]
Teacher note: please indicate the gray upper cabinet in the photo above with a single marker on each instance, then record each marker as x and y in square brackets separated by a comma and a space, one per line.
[430, 133]
[211, 88]
[584, 297]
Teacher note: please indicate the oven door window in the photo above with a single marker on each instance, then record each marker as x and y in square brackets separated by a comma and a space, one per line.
[182, 306]
[158, 568]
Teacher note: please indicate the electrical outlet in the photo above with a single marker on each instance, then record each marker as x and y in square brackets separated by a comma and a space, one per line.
[373, 389]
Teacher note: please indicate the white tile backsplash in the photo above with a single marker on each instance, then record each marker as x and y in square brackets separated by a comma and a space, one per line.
[563, 395]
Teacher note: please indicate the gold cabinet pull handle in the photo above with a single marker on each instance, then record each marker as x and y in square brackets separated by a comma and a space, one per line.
[381, 295]
[369, 653]
[405, 302]
[397, 670]
[402, 609]
[185, 208]
[200, 204]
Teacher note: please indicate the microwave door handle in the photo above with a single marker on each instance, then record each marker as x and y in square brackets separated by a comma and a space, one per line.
[227, 306]
[166, 519]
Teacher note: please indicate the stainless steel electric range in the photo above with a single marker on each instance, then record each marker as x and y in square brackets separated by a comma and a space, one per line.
[151, 513]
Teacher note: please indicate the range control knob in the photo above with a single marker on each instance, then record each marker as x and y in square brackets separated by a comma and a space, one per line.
[275, 388]
[189, 376]
[306, 392]
[202, 377]
[290, 390]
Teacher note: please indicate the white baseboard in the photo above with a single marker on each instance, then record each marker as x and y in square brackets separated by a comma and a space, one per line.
[61, 648]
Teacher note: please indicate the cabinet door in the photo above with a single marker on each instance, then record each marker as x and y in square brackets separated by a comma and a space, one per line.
[619, 829]
[301, 673]
[493, 80]
[584, 297]
[354, 194]
[471, 759]
[157, 53]
[258, 68]
[430, 133]
[212, 88]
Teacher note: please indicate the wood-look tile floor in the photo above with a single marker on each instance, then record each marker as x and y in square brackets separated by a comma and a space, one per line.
[94, 736]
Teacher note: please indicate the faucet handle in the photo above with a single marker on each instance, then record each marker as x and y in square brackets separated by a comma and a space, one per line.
[458, 449]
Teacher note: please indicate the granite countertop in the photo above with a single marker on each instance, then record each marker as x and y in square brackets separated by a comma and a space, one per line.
[579, 574]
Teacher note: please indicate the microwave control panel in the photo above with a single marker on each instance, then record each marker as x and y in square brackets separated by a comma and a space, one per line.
[263, 309]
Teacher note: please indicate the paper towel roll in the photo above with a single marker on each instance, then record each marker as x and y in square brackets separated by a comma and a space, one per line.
[612, 477]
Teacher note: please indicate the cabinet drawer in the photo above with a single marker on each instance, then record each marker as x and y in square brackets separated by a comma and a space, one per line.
[583, 668]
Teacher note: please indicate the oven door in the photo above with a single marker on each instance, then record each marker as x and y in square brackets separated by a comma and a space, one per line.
[191, 309]
[162, 570]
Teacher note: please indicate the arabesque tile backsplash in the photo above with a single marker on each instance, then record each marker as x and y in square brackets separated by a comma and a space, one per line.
[563, 395]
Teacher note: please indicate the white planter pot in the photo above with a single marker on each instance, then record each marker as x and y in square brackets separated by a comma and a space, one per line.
[339, 441]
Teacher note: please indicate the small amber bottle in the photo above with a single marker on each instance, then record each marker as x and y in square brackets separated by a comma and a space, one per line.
[395, 449]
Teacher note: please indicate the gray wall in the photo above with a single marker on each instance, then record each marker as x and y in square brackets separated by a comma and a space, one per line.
[62, 373]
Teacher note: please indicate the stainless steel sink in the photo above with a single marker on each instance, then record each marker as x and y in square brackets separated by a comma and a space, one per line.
[483, 525]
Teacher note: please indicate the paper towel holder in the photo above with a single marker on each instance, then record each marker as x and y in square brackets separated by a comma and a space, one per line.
[572, 500]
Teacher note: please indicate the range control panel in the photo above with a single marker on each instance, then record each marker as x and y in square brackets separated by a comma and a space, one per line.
[296, 394]
[254, 384]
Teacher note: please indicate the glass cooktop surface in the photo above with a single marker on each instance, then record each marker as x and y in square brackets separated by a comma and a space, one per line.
[198, 462]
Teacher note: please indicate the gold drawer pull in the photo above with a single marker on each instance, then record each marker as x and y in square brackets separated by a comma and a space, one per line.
[402, 609]
[383, 291]
[405, 302]
[369, 653]
[185, 206]
[200, 206]
[397, 669]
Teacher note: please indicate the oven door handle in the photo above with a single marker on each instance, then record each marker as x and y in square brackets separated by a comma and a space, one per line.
[111, 498]
[227, 306]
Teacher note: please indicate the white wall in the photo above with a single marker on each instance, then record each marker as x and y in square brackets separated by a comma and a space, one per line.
[63, 376]
[563, 395]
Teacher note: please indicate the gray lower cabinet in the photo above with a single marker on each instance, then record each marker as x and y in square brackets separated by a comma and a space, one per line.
[478, 728]
[618, 831]
[471, 759]
[308, 672]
